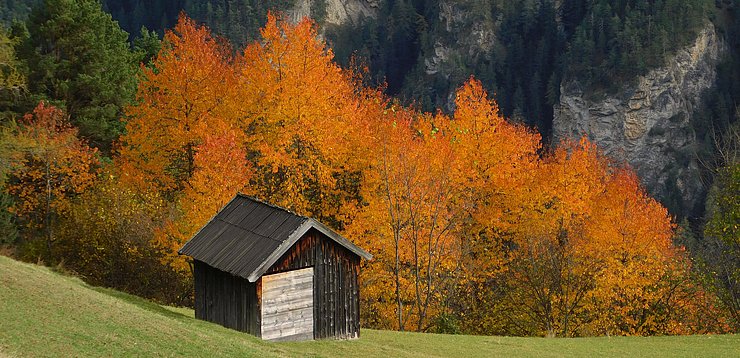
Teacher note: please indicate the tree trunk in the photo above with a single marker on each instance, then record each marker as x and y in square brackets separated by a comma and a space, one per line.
[47, 219]
[398, 288]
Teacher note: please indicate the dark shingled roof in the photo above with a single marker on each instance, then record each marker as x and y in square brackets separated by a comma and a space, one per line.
[247, 236]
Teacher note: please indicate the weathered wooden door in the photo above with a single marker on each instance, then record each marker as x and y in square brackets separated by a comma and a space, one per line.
[287, 305]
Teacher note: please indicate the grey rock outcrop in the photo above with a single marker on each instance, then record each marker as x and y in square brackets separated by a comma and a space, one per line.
[338, 12]
[647, 123]
[463, 34]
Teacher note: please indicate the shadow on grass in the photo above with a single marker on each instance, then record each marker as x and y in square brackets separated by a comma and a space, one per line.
[141, 303]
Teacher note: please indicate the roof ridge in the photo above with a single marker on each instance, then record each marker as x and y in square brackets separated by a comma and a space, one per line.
[260, 201]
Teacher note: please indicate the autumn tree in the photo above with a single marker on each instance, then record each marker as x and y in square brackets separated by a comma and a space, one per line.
[187, 90]
[183, 141]
[432, 188]
[546, 280]
[593, 254]
[48, 168]
[495, 163]
[411, 218]
[302, 111]
[630, 236]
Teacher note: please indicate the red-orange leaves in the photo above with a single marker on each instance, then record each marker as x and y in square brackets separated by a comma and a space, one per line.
[496, 157]
[593, 252]
[50, 168]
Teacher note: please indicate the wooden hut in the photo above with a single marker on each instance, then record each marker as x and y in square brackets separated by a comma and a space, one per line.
[264, 270]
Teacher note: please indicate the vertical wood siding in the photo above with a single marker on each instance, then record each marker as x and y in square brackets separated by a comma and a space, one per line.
[336, 291]
[228, 300]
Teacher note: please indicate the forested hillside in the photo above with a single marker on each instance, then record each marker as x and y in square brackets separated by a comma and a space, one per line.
[522, 51]
[423, 130]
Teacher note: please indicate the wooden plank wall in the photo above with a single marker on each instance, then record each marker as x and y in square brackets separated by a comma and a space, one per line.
[225, 299]
[336, 290]
[287, 305]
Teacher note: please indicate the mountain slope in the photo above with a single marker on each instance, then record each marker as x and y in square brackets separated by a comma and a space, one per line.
[648, 123]
[43, 313]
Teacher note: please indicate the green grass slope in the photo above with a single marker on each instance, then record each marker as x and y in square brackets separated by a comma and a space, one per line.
[43, 313]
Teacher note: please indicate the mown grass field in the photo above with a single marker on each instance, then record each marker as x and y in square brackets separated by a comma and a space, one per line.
[43, 313]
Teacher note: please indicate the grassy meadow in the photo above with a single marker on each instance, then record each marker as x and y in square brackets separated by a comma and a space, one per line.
[47, 314]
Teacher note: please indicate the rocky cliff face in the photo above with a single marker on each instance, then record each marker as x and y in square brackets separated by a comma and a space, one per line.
[462, 35]
[338, 12]
[646, 124]
[461, 31]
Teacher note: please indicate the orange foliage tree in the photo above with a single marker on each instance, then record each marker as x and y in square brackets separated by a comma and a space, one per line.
[183, 140]
[186, 93]
[50, 167]
[304, 113]
[593, 254]
[547, 277]
[496, 161]
[638, 289]
[434, 187]
[410, 219]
